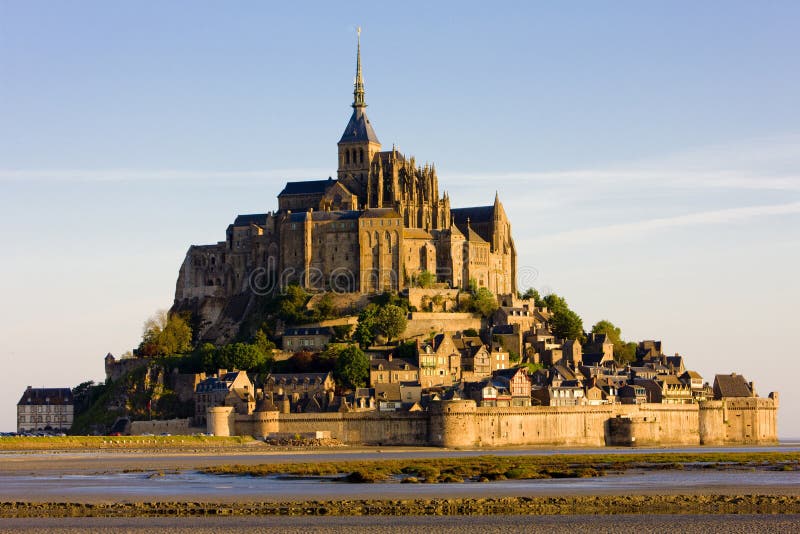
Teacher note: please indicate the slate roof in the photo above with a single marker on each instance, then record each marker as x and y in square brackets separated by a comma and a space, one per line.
[592, 359]
[324, 216]
[396, 364]
[52, 396]
[475, 214]
[416, 233]
[299, 377]
[253, 218]
[307, 187]
[387, 392]
[503, 329]
[731, 385]
[380, 213]
[319, 331]
[359, 129]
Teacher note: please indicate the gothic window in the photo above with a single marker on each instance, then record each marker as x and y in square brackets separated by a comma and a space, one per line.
[361, 155]
[347, 157]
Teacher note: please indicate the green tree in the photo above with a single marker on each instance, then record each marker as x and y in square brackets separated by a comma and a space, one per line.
[241, 356]
[623, 351]
[613, 333]
[626, 352]
[365, 329]
[425, 279]
[342, 331]
[205, 356]
[291, 305]
[532, 293]
[166, 334]
[263, 343]
[483, 302]
[565, 323]
[352, 367]
[391, 321]
[325, 308]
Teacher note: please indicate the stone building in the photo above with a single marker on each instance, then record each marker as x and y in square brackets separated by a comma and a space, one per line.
[302, 338]
[216, 390]
[45, 409]
[392, 370]
[373, 228]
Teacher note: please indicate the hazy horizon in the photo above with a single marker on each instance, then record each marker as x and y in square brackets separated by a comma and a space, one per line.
[648, 158]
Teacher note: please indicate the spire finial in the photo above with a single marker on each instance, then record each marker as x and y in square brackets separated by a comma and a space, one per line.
[358, 89]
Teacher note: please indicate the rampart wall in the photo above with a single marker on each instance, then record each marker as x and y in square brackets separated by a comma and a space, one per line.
[168, 426]
[461, 423]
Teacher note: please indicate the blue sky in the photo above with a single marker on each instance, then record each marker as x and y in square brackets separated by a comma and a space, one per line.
[648, 154]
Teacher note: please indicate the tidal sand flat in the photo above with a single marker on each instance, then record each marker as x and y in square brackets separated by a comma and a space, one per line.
[501, 524]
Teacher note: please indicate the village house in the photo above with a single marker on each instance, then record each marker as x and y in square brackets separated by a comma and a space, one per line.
[300, 385]
[632, 394]
[476, 359]
[518, 384]
[673, 390]
[490, 392]
[566, 393]
[306, 339]
[44, 410]
[732, 386]
[392, 370]
[597, 349]
[439, 361]
[214, 390]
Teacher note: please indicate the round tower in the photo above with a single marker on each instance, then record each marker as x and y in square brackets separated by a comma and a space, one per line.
[220, 421]
[453, 423]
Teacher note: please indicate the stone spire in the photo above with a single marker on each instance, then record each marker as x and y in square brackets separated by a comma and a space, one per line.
[358, 86]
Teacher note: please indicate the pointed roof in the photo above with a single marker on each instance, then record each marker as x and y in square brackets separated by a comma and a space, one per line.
[359, 128]
[358, 86]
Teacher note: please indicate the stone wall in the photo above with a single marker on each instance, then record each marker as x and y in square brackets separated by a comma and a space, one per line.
[168, 426]
[460, 423]
[442, 299]
[371, 428]
[739, 420]
[423, 323]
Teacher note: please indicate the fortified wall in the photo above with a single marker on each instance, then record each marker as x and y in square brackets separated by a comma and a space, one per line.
[460, 423]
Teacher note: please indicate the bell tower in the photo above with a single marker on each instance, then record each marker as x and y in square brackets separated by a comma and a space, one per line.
[358, 144]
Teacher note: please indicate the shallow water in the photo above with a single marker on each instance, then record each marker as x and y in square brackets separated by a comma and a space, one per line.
[198, 486]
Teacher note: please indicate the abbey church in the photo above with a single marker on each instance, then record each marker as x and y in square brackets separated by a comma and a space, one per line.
[374, 228]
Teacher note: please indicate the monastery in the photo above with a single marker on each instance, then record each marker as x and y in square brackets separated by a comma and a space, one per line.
[375, 227]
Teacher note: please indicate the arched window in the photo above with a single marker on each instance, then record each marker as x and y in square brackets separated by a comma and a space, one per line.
[361, 155]
[347, 157]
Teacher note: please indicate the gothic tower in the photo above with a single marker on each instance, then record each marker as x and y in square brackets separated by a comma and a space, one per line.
[358, 144]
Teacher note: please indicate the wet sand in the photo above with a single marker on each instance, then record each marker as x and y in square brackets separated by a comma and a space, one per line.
[689, 524]
[98, 461]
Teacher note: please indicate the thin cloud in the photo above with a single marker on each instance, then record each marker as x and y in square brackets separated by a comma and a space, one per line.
[160, 175]
[767, 164]
[639, 228]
